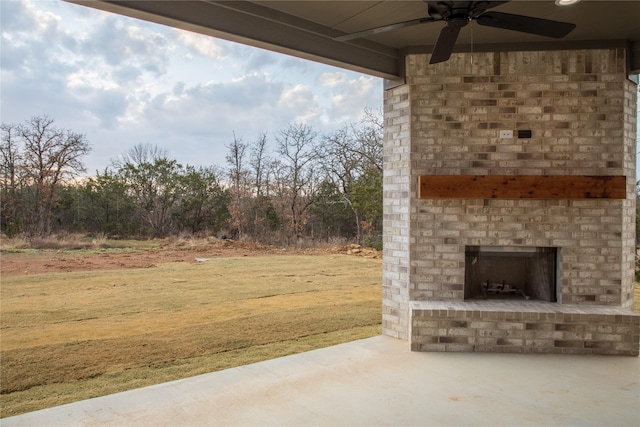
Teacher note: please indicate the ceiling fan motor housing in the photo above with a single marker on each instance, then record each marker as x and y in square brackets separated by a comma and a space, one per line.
[458, 14]
[457, 21]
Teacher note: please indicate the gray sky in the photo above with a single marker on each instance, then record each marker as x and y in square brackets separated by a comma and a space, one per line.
[123, 82]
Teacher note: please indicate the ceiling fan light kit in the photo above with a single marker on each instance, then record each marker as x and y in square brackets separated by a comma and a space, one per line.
[458, 14]
[566, 2]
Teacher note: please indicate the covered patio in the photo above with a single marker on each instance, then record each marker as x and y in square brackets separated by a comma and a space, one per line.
[380, 381]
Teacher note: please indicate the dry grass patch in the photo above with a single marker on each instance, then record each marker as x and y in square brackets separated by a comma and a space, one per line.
[71, 336]
[67, 242]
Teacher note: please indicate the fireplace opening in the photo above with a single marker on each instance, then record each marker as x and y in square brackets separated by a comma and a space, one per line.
[521, 273]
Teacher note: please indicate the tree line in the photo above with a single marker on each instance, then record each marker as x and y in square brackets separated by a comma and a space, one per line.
[300, 186]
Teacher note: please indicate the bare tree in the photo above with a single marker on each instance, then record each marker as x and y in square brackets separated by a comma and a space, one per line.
[369, 137]
[348, 155]
[297, 150]
[50, 156]
[260, 208]
[258, 161]
[342, 164]
[139, 154]
[10, 157]
[236, 157]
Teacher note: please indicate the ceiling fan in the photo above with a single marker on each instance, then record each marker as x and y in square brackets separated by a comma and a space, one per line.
[457, 14]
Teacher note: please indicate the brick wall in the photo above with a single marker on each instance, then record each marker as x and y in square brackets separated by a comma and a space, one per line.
[578, 106]
[396, 201]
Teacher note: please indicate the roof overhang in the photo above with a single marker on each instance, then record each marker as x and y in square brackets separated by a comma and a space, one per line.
[307, 29]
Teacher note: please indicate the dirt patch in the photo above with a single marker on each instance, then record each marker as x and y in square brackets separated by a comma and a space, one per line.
[21, 263]
[48, 262]
[354, 249]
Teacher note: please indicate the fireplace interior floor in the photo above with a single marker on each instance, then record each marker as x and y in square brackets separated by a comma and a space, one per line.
[503, 297]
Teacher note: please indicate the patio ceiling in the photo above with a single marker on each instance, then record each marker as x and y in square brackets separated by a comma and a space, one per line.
[307, 29]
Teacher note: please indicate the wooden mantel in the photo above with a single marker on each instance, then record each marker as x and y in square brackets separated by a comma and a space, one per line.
[521, 187]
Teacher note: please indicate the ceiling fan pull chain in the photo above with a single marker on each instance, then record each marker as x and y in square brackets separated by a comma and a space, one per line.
[471, 45]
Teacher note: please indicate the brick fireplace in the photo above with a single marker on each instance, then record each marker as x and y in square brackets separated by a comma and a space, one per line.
[509, 200]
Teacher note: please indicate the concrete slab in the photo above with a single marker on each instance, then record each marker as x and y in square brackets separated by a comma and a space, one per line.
[377, 382]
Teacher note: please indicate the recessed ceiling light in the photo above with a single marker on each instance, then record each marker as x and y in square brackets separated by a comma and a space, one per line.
[566, 2]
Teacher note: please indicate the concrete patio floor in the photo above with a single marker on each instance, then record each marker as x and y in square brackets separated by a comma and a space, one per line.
[378, 381]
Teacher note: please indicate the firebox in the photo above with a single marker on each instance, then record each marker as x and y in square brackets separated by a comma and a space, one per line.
[521, 273]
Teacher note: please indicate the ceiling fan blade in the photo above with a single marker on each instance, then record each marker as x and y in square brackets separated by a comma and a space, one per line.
[385, 28]
[526, 24]
[444, 46]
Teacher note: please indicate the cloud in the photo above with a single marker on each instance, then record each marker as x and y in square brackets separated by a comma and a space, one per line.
[257, 60]
[299, 103]
[127, 73]
[110, 106]
[92, 72]
[114, 42]
[201, 44]
[204, 109]
[35, 66]
[332, 79]
[22, 17]
[90, 79]
[30, 37]
[350, 94]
